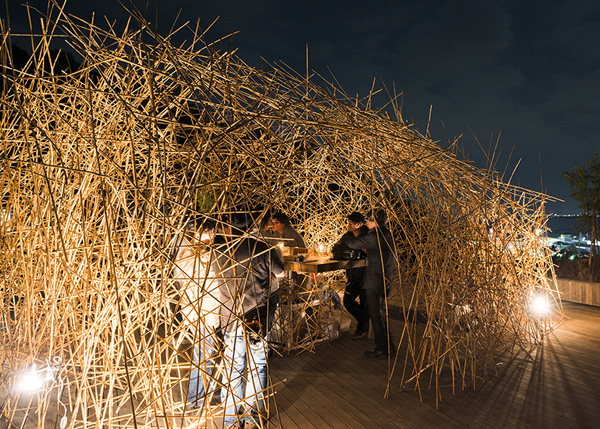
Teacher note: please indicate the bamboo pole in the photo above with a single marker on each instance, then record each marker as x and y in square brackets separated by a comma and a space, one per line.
[102, 166]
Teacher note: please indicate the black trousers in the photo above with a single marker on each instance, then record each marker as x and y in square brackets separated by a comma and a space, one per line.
[376, 312]
[358, 310]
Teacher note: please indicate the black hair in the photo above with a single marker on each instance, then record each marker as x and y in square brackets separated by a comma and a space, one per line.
[379, 216]
[199, 223]
[281, 217]
[241, 221]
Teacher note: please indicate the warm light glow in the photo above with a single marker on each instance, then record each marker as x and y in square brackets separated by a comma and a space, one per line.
[31, 381]
[539, 305]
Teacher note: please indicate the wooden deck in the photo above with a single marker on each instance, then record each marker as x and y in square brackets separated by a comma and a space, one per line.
[337, 387]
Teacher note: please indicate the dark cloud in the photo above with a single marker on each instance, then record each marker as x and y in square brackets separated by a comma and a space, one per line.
[525, 71]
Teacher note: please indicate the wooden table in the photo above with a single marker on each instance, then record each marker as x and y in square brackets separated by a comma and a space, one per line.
[321, 264]
[305, 309]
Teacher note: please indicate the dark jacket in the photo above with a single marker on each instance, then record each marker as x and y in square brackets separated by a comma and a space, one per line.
[355, 275]
[244, 267]
[289, 237]
[289, 233]
[382, 268]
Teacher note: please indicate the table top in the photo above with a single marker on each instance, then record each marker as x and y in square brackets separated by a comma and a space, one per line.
[322, 264]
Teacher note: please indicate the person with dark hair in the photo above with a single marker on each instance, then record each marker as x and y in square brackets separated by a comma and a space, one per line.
[283, 233]
[280, 224]
[380, 274]
[246, 266]
[354, 277]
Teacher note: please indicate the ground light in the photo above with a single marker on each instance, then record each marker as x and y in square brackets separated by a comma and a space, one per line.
[35, 379]
[32, 380]
[539, 305]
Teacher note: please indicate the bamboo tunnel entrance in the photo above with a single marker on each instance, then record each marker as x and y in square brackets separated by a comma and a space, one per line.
[103, 166]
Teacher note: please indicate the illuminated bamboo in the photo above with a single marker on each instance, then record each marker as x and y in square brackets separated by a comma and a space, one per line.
[101, 168]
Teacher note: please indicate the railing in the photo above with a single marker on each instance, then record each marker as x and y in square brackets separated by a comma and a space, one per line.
[579, 291]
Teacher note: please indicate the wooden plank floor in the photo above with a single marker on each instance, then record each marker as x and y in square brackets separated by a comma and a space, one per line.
[337, 387]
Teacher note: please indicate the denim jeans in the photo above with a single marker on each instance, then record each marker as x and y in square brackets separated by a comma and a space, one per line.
[202, 366]
[243, 352]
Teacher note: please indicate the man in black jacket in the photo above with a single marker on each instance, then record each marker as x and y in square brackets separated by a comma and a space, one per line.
[354, 276]
[246, 267]
[380, 275]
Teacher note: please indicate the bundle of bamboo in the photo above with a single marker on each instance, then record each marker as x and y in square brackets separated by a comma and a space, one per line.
[103, 166]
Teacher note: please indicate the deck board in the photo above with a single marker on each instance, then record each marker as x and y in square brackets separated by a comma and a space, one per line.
[337, 387]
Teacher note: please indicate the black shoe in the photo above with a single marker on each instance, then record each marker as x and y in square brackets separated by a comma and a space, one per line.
[259, 420]
[375, 353]
[196, 405]
[358, 334]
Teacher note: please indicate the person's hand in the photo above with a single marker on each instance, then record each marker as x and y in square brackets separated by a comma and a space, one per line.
[371, 224]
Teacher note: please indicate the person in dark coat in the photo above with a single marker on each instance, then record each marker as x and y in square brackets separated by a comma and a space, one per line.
[282, 232]
[283, 229]
[380, 275]
[354, 276]
[246, 267]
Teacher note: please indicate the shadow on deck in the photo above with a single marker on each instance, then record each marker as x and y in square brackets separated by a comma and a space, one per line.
[337, 387]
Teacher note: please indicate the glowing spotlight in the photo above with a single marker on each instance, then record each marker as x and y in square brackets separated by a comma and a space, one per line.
[33, 378]
[31, 381]
[540, 305]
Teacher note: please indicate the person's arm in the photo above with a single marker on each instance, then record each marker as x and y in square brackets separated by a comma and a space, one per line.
[277, 266]
[344, 236]
[365, 241]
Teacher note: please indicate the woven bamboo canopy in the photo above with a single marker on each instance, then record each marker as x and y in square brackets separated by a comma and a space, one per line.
[102, 166]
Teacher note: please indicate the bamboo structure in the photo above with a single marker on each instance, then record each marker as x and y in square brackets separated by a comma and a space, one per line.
[103, 165]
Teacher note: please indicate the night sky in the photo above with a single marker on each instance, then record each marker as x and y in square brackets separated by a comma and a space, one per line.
[520, 75]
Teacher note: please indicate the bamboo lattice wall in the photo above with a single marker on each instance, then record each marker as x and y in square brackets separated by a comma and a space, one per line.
[102, 166]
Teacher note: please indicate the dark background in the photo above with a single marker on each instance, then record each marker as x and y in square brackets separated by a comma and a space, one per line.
[519, 77]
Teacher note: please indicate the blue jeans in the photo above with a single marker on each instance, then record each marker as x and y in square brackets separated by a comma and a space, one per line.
[243, 352]
[202, 366]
